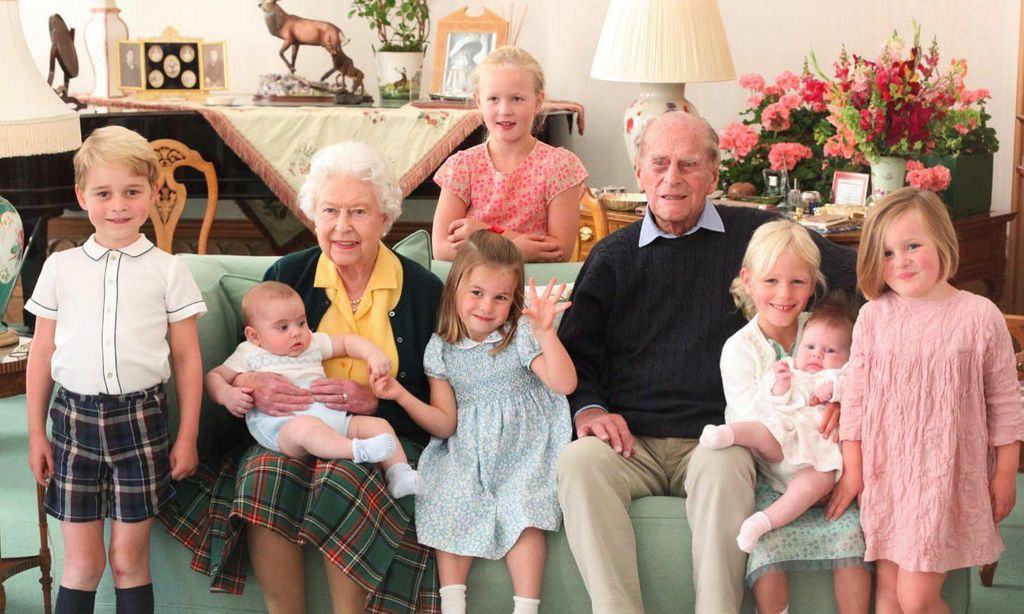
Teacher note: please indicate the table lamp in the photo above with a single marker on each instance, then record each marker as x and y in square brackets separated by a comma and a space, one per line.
[33, 121]
[662, 44]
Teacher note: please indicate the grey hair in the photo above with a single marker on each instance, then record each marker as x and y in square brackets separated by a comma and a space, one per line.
[360, 161]
[710, 136]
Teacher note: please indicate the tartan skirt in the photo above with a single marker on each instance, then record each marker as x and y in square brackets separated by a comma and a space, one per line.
[340, 507]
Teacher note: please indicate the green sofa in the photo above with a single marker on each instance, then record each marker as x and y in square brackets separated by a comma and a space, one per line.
[663, 537]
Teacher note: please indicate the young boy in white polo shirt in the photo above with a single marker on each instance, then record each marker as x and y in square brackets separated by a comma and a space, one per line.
[105, 313]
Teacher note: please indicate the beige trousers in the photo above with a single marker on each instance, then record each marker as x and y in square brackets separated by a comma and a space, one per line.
[596, 486]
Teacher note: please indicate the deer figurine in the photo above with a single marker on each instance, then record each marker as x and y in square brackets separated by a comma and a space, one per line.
[295, 31]
[344, 66]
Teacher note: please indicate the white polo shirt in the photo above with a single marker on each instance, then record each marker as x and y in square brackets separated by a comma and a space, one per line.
[112, 308]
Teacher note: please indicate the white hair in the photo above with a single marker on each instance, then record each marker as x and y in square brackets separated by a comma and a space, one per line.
[355, 159]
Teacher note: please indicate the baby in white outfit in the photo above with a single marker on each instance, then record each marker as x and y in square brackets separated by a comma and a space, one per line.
[795, 458]
[278, 340]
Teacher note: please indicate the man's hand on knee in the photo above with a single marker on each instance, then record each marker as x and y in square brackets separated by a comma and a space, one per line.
[608, 427]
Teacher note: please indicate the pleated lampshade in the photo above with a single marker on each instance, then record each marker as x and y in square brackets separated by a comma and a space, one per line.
[663, 44]
[33, 119]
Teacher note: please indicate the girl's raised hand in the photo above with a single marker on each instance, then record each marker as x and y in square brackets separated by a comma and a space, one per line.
[545, 306]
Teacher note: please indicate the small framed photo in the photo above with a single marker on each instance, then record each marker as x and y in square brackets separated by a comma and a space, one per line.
[463, 42]
[850, 188]
[213, 72]
[129, 65]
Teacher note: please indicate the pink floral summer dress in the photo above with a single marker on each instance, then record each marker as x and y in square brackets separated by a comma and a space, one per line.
[517, 200]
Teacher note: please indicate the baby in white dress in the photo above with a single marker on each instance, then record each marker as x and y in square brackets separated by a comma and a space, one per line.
[278, 340]
[795, 458]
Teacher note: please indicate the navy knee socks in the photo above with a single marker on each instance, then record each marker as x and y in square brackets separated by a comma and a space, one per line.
[74, 601]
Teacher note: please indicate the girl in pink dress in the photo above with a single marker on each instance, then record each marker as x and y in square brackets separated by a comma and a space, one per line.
[512, 183]
[931, 417]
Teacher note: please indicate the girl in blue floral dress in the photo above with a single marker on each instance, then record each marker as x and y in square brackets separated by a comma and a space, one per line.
[499, 418]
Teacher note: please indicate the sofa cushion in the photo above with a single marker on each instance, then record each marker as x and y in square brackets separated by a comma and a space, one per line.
[416, 247]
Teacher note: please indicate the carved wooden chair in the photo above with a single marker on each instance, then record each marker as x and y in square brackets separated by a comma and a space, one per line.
[1016, 326]
[590, 232]
[172, 195]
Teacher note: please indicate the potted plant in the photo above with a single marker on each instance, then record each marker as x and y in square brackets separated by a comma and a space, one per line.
[402, 28]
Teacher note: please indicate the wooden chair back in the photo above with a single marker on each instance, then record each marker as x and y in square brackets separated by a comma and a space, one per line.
[595, 232]
[1016, 326]
[172, 195]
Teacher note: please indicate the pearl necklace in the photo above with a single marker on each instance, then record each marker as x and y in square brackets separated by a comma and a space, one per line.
[355, 304]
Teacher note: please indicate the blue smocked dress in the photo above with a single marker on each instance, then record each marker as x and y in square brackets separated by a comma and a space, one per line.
[496, 475]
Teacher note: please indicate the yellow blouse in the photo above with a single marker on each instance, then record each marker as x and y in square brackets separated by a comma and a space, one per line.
[372, 317]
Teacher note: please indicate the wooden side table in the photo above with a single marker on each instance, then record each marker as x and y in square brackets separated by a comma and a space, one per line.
[12, 382]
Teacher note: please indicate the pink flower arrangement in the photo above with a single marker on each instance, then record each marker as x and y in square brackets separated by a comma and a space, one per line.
[787, 155]
[936, 178]
[784, 127]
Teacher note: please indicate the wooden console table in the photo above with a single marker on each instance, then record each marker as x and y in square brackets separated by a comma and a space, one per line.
[982, 245]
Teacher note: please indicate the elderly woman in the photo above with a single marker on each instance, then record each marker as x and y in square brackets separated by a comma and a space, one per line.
[350, 283]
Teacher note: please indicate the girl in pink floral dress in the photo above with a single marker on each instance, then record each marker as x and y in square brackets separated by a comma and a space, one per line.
[931, 417]
[512, 183]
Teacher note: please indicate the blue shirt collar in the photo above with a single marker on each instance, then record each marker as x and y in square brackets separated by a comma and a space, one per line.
[709, 220]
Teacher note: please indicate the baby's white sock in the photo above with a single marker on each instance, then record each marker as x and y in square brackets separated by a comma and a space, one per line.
[402, 480]
[374, 449]
[525, 605]
[717, 437]
[751, 530]
[453, 598]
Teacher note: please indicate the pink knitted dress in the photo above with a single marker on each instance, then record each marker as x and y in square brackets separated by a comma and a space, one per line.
[517, 200]
[931, 389]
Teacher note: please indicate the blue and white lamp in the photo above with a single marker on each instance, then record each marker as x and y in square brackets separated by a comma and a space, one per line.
[33, 121]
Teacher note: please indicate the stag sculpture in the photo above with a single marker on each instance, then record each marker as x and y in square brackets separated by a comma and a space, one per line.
[344, 66]
[296, 31]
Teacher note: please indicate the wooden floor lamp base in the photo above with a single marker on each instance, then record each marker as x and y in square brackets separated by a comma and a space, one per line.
[14, 565]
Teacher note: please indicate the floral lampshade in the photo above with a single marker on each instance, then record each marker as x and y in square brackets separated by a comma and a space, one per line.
[33, 121]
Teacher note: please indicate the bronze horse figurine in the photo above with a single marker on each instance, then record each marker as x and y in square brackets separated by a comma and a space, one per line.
[295, 31]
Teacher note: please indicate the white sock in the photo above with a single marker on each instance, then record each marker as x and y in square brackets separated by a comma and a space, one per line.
[453, 599]
[525, 605]
[717, 437]
[374, 449]
[402, 480]
[751, 530]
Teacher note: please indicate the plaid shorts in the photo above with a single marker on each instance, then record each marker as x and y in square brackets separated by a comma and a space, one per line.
[111, 456]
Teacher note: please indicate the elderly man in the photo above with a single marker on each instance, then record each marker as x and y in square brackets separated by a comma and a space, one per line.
[651, 312]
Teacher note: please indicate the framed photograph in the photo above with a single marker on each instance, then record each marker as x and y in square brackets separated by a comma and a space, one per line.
[463, 42]
[849, 188]
[129, 65]
[213, 72]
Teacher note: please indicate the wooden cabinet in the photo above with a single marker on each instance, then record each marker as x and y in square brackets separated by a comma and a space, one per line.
[982, 245]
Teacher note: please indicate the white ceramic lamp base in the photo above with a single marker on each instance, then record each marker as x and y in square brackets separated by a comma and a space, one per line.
[655, 99]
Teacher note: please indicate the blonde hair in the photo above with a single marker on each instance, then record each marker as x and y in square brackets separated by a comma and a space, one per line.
[119, 146]
[483, 248]
[510, 58]
[770, 241]
[871, 252]
[263, 292]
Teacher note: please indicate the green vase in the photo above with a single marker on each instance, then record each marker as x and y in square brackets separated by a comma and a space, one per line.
[887, 175]
[970, 187]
